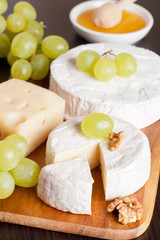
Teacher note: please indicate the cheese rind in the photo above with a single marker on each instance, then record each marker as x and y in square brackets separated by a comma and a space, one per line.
[67, 186]
[29, 110]
[135, 99]
[67, 142]
[124, 171]
[127, 169]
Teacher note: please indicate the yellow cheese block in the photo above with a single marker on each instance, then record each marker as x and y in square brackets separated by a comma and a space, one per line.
[29, 110]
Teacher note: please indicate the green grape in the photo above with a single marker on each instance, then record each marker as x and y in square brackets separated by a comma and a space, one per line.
[21, 69]
[26, 173]
[23, 45]
[3, 24]
[11, 35]
[4, 45]
[40, 66]
[9, 156]
[86, 60]
[36, 28]
[53, 46]
[25, 10]
[126, 64]
[20, 143]
[97, 125]
[15, 23]
[3, 6]
[10, 58]
[104, 69]
[7, 185]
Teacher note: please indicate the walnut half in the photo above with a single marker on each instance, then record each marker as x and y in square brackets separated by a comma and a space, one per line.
[115, 140]
[129, 209]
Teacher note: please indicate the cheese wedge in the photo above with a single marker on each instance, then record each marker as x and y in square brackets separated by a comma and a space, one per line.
[135, 99]
[29, 110]
[124, 171]
[67, 186]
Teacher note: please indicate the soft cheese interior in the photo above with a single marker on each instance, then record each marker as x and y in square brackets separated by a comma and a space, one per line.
[67, 142]
[67, 186]
[124, 171]
[135, 99]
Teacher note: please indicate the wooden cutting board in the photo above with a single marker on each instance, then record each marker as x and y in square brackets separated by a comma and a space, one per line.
[25, 208]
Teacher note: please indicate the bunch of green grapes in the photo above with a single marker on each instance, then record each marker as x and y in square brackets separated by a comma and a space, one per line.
[15, 169]
[103, 69]
[22, 42]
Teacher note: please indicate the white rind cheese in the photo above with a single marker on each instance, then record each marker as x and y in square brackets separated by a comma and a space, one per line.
[135, 99]
[127, 169]
[67, 142]
[67, 186]
[124, 171]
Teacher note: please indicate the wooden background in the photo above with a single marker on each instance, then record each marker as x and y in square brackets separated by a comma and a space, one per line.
[54, 13]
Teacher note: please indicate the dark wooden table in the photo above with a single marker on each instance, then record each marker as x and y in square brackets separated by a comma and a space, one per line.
[55, 13]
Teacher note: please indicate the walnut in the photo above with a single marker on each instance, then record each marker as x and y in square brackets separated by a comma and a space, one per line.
[115, 140]
[129, 209]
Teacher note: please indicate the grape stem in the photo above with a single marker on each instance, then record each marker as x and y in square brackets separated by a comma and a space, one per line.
[42, 24]
[108, 52]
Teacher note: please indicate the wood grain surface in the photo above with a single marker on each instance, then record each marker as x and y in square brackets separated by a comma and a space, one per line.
[54, 13]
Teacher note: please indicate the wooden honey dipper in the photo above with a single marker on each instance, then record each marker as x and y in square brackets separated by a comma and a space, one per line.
[110, 14]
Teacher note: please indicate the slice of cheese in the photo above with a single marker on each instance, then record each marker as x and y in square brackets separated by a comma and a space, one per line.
[67, 142]
[29, 110]
[67, 186]
[124, 171]
[127, 169]
[135, 99]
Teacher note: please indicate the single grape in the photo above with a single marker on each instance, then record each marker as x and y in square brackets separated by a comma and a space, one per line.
[7, 185]
[11, 35]
[9, 156]
[25, 10]
[36, 28]
[86, 60]
[4, 45]
[3, 24]
[3, 6]
[10, 58]
[53, 46]
[104, 69]
[15, 23]
[26, 173]
[21, 69]
[23, 45]
[126, 64]
[20, 143]
[40, 66]
[97, 125]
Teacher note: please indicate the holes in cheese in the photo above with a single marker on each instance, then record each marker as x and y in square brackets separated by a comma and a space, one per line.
[21, 105]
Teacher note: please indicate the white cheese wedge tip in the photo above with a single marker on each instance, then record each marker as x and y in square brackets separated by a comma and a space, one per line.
[67, 186]
[124, 171]
[29, 110]
[135, 99]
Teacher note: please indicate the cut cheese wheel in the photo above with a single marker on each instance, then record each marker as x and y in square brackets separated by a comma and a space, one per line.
[124, 171]
[68, 142]
[29, 110]
[67, 186]
[135, 99]
[127, 169]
